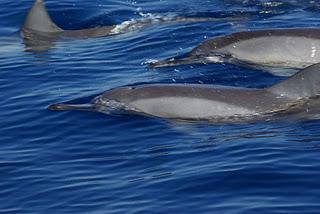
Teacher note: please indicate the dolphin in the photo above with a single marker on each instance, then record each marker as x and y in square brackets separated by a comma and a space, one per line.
[206, 102]
[40, 32]
[268, 50]
[38, 22]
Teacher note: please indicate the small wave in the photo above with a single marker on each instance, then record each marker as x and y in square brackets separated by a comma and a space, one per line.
[149, 61]
[149, 19]
[136, 24]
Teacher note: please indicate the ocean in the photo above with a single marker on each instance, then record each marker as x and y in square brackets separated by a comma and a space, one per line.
[87, 162]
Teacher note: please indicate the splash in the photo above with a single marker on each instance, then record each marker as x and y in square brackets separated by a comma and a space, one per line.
[147, 19]
[144, 20]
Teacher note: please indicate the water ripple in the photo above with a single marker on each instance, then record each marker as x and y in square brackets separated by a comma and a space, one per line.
[86, 162]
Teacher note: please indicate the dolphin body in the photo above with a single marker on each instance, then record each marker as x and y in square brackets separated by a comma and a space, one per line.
[263, 49]
[204, 102]
[40, 32]
[39, 23]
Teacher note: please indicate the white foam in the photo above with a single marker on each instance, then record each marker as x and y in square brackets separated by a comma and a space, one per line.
[136, 24]
[149, 61]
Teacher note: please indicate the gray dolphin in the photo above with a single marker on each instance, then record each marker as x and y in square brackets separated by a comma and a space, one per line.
[39, 31]
[38, 22]
[204, 102]
[263, 49]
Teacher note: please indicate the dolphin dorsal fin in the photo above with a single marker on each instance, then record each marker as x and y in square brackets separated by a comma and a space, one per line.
[304, 84]
[38, 19]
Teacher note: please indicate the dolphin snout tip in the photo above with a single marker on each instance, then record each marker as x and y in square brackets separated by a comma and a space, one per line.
[156, 64]
[55, 107]
[65, 106]
[151, 64]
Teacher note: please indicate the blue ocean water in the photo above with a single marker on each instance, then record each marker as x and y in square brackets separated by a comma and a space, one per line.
[85, 162]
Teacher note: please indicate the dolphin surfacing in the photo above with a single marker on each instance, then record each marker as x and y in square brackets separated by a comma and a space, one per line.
[40, 32]
[204, 102]
[263, 49]
[39, 23]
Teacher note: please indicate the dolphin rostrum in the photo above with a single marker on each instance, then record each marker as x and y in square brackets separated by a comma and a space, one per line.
[39, 31]
[263, 49]
[204, 102]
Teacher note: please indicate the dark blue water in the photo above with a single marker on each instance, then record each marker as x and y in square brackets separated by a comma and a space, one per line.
[83, 162]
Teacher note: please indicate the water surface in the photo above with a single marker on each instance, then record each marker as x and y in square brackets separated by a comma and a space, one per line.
[84, 162]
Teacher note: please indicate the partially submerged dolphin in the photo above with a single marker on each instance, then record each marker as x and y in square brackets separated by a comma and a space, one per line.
[263, 49]
[204, 102]
[39, 31]
[39, 23]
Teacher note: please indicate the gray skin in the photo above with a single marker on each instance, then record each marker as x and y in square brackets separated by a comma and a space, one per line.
[263, 49]
[204, 102]
[40, 32]
[39, 22]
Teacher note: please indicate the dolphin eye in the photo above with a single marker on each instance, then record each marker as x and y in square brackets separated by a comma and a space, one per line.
[132, 88]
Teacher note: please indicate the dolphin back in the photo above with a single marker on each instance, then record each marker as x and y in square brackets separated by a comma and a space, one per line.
[38, 19]
[303, 84]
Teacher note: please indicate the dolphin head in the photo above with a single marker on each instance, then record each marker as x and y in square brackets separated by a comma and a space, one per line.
[122, 94]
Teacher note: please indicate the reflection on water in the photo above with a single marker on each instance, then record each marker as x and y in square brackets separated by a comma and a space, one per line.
[38, 42]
